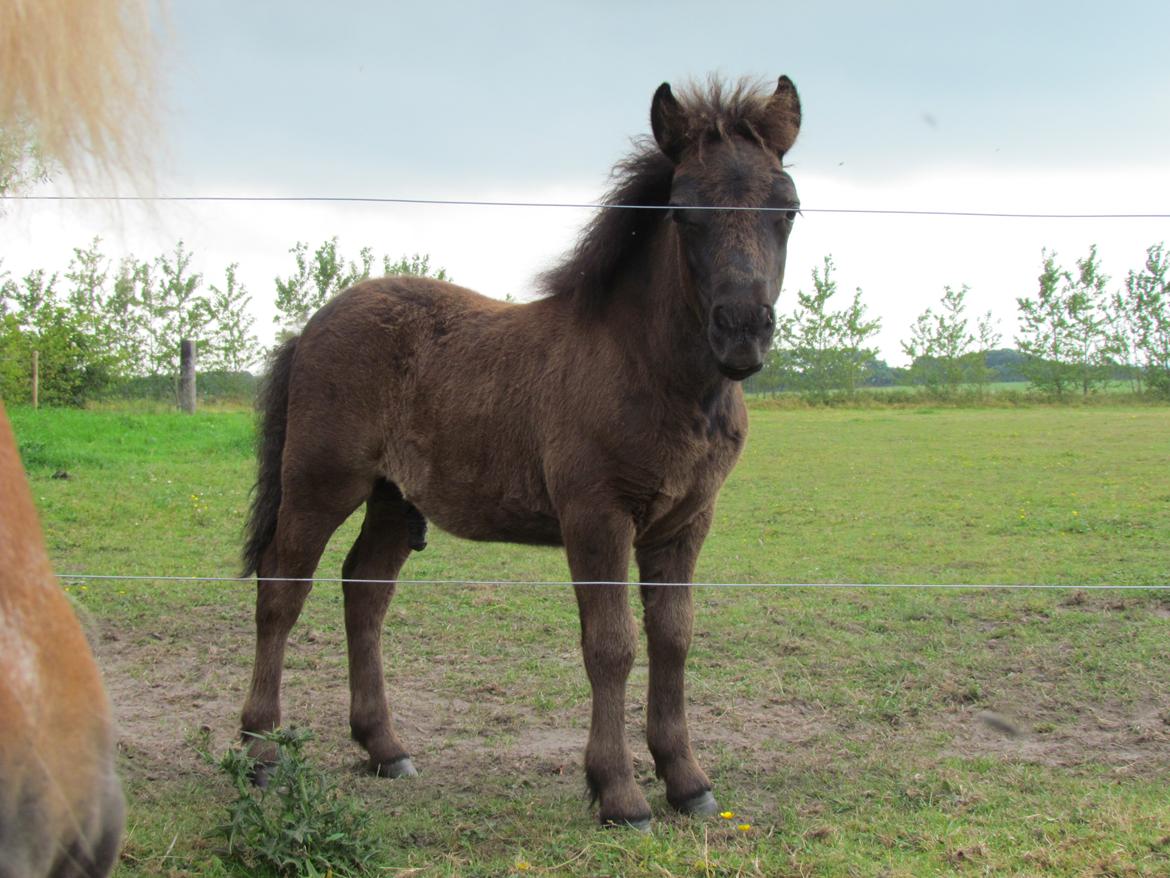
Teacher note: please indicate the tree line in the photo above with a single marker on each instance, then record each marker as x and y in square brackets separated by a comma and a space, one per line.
[105, 323]
[1077, 333]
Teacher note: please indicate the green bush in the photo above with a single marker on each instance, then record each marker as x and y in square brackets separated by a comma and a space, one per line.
[71, 369]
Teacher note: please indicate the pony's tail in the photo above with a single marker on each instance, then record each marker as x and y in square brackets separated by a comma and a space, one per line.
[272, 405]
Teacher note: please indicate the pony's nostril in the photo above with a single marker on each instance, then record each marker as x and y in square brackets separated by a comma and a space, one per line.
[769, 316]
[722, 317]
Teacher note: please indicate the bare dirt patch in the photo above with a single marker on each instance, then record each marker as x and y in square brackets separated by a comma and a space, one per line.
[188, 676]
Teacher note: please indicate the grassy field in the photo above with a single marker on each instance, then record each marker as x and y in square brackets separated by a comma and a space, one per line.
[847, 729]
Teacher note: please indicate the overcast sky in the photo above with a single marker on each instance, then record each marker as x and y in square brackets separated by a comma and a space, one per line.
[1029, 107]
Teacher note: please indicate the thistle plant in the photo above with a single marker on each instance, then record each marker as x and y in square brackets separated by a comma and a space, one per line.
[298, 825]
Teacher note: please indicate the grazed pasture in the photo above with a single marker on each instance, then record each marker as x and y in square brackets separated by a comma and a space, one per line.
[848, 730]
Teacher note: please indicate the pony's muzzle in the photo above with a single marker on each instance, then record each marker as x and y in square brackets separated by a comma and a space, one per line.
[740, 334]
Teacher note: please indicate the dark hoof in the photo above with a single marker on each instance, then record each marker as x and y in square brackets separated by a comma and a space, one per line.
[398, 768]
[702, 805]
[641, 824]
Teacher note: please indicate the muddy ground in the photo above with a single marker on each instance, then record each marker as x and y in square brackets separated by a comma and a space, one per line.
[187, 676]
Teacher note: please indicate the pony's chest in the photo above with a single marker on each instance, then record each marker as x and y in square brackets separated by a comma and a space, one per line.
[693, 445]
[680, 474]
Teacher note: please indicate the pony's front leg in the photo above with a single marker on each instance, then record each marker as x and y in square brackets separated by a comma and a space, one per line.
[598, 549]
[669, 615]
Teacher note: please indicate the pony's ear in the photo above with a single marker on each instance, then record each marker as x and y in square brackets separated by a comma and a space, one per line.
[668, 121]
[782, 117]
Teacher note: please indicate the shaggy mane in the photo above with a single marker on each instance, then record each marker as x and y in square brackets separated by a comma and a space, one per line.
[587, 273]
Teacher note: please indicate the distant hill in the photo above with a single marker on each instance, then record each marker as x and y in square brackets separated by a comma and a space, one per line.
[1007, 363]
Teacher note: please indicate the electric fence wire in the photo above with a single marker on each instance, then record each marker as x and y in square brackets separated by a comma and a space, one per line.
[1005, 586]
[462, 202]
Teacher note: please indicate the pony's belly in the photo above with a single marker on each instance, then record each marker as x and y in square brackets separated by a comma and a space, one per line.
[476, 516]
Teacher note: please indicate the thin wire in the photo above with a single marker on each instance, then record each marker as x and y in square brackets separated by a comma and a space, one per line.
[453, 202]
[600, 582]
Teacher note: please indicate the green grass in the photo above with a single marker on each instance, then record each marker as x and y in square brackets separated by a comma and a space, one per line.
[841, 725]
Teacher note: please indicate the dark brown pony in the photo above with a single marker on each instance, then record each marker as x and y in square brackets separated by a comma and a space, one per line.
[602, 417]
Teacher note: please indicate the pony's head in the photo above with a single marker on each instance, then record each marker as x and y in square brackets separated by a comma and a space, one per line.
[733, 206]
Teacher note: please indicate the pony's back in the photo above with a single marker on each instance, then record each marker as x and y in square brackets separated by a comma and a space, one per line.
[60, 801]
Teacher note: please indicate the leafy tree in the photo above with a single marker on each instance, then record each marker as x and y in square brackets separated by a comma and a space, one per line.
[321, 276]
[854, 330]
[124, 312]
[316, 280]
[938, 342]
[72, 365]
[825, 349]
[1066, 330]
[228, 341]
[87, 274]
[1085, 299]
[88, 296]
[1044, 331]
[944, 352]
[1149, 293]
[155, 304]
[987, 338]
[170, 308]
[418, 265]
[1121, 314]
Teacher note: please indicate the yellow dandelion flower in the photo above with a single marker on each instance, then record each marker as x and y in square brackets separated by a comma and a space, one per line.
[745, 827]
[523, 866]
[726, 815]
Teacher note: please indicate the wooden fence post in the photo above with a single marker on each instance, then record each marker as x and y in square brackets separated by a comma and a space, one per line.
[36, 379]
[187, 376]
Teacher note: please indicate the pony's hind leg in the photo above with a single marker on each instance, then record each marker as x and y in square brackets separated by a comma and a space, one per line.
[306, 520]
[390, 530]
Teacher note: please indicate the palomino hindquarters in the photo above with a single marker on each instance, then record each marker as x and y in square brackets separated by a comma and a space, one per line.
[60, 801]
[83, 104]
[603, 417]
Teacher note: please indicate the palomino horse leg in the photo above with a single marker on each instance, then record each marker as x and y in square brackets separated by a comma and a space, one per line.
[304, 524]
[379, 553]
[668, 616]
[600, 553]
